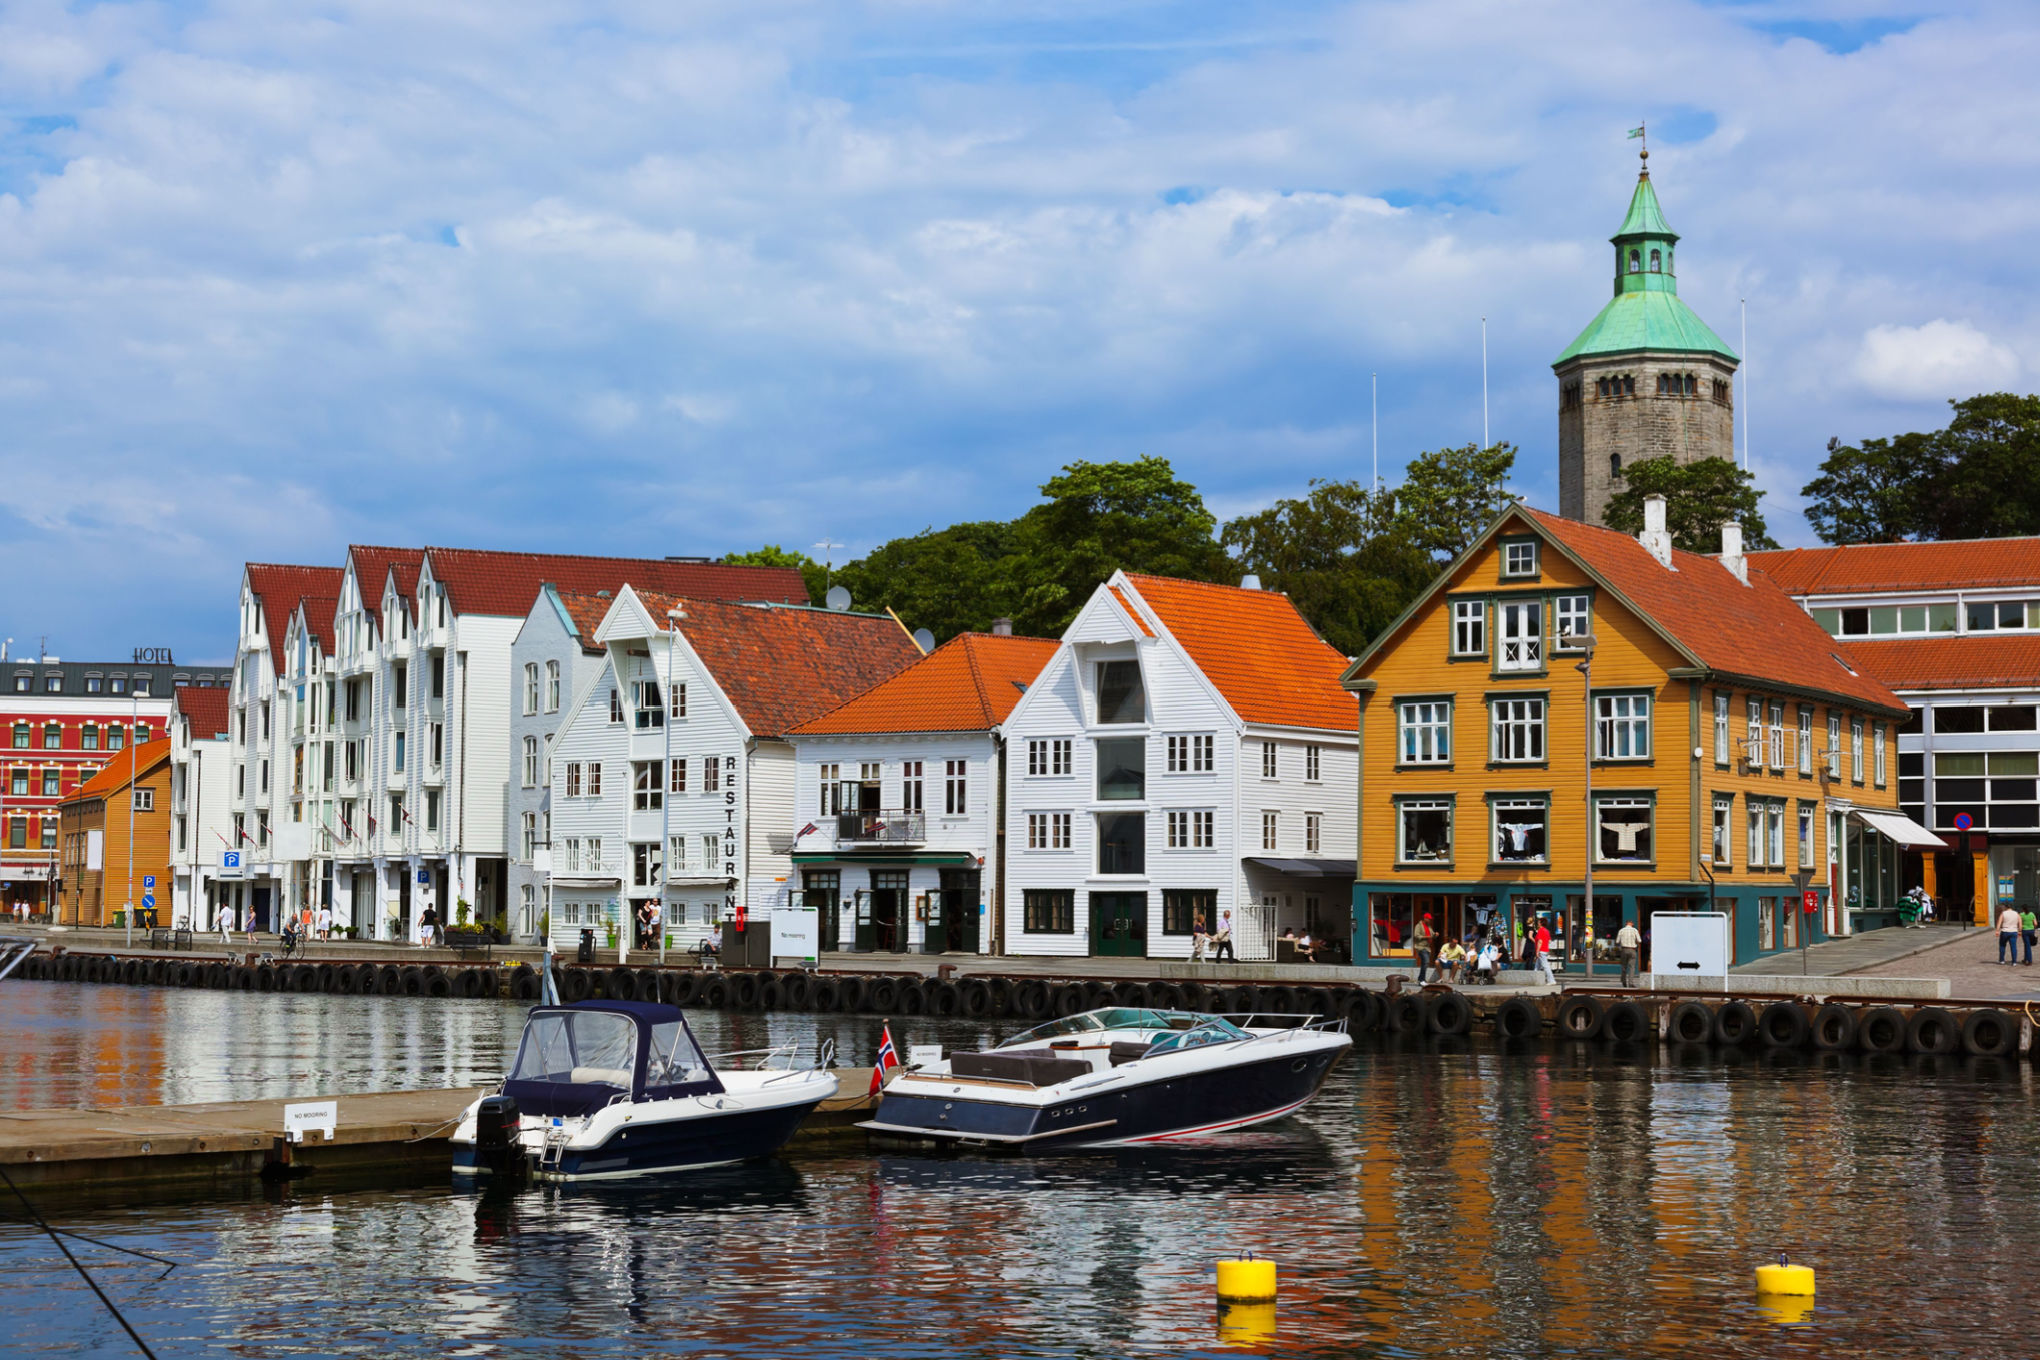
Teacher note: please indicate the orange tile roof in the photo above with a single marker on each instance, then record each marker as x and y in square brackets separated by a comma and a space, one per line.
[505, 583]
[280, 586]
[117, 772]
[1755, 631]
[1972, 661]
[319, 611]
[1861, 568]
[1256, 649]
[781, 665]
[586, 612]
[372, 569]
[1131, 612]
[206, 706]
[968, 684]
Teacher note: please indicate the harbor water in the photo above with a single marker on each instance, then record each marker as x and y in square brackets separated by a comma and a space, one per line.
[1441, 1198]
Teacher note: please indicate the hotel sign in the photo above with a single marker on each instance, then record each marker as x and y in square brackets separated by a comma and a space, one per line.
[153, 656]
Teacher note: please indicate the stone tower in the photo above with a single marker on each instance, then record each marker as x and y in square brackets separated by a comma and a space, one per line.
[1646, 378]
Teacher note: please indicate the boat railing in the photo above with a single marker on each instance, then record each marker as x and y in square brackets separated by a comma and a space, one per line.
[782, 1058]
[1303, 1020]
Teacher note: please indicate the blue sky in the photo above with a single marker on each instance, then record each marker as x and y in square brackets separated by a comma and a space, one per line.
[649, 278]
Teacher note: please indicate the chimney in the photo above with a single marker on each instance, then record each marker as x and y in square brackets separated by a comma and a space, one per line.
[1655, 540]
[1732, 553]
[1002, 627]
[1250, 582]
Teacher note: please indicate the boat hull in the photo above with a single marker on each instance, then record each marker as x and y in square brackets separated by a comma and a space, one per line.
[647, 1147]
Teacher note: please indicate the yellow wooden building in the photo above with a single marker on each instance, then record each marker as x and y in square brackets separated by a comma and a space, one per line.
[1733, 745]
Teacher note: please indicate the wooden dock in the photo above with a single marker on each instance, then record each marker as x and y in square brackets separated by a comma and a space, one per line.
[151, 1150]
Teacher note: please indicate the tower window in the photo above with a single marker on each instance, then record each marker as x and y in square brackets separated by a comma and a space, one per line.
[1664, 383]
[1657, 263]
[1614, 465]
[1629, 385]
[1635, 262]
[1692, 386]
[1601, 388]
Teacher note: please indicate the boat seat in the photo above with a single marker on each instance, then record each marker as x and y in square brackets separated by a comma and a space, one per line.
[599, 1076]
[1124, 1052]
[1033, 1066]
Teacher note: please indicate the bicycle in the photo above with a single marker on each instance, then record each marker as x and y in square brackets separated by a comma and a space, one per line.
[293, 941]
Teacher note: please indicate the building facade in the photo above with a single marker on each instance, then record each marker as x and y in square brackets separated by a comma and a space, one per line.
[1954, 629]
[1646, 378]
[899, 797]
[1732, 748]
[201, 766]
[1186, 752]
[114, 838]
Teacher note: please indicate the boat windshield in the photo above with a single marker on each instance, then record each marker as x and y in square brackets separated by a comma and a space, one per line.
[675, 1058]
[578, 1048]
[1212, 1031]
[1109, 1018]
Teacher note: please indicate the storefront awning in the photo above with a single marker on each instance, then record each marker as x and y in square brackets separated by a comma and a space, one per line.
[585, 881]
[1307, 868]
[955, 859]
[1896, 826]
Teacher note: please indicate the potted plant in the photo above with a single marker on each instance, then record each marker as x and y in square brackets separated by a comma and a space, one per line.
[460, 911]
[609, 935]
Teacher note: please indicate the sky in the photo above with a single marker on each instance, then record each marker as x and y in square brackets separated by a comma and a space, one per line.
[652, 278]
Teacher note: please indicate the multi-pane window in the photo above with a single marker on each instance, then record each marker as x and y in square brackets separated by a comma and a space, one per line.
[644, 865]
[1519, 559]
[1571, 611]
[531, 762]
[1522, 826]
[1426, 731]
[573, 779]
[21, 736]
[1424, 831]
[1834, 759]
[676, 699]
[1856, 750]
[432, 809]
[1754, 846]
[1270, 826]
[648, 782]
[1182, 908]
[594, 775]
[1724, 809]
[1190, 830]
[831, 797]
[552, 686]
[1050, 757]
[1469, 627]
[1120, 696]
[676, 775]
[1621, 727]
[1048, 911]
[1313, 763]
[1721, 756]
[1048, 831]
[615, 706]
[1774, 834]
[1313, 832]
[88, 737]
[711, 852]
[912, 779]
[1805, 740]
[530, 840]
[1806, 835]
[19, 781]
[531, 687]
[1624, 830]
[711, 775]
[1753, 736]
[676, 854]
[1517, 730]
[50, 783]
[1774, 732]
[644, 701]
[1191, 754]
[1267, 760]
[1522, 636]
[1877, 742]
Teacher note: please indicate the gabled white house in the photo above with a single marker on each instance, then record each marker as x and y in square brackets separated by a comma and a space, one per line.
[672, 774]
[1187, 751]
[201, 766]
[897, 801]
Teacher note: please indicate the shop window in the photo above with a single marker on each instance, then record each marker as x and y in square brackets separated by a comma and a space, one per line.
[1182, 907]
[1425, 835]
[1048, 911]
[1624, 830]
[1521, 829]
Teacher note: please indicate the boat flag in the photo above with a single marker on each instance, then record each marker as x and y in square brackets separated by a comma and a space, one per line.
[888, 1059]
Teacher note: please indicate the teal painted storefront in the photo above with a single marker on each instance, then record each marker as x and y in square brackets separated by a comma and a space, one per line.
[1758, 912]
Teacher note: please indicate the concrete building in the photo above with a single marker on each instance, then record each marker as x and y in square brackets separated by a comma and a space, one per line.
[62, 721]
[673, 772]
[1646, 378]
[899, 796]
[201, 768]
[1954, 629]
[115, 840]
[1186, 751]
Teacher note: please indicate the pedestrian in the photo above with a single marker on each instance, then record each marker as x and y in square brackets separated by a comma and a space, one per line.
[325, 922]
[1423, 942]
[1200, 933]
[1221, 940]
[2028, 923]
[428, 926]
[1542, 940]
[1629, 944]
[2008, 934]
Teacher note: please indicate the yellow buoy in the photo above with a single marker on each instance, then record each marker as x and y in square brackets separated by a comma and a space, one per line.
[1247, 1280]
[1784, 1279]
[1246, 1324]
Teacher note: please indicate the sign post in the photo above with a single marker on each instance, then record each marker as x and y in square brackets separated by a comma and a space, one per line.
[1809, 902]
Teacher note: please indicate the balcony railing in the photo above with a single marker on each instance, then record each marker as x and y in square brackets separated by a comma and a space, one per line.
[892, 827]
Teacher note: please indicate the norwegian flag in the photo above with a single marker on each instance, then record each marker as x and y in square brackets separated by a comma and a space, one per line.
[888, 1059]
[807, 830]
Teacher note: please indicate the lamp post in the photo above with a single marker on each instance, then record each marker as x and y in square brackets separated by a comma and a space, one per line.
[1585, 645]
[673, 620]
[134, 782]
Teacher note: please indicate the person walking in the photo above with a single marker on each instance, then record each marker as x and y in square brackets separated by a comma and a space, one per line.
[1542, 940]
[1629, 944]
[1423, 941]
[2028, 924]
[2008, 935]
[1221, 940]
[1200, 934]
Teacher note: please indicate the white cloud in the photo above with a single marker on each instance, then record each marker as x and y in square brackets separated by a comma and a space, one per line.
[1941, 360]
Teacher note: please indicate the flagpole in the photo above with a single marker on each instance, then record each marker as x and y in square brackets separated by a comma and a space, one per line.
[1485, 442]
[1744, 304]
[1374, 387]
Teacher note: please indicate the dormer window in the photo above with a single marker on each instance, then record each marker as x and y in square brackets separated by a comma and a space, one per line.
[1519, 558]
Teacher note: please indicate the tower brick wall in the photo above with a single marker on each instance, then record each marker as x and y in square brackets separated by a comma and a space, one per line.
[1596, 429]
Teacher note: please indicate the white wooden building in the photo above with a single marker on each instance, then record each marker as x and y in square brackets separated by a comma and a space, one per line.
[201, 768]
[897, 800]
[1187, 750]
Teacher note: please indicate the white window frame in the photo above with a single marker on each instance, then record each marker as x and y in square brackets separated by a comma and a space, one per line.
[955, 788]
[1806, 835]
[1753, 819]
[1622, 726]
[1313, 833]
[1519, 635]
[1270, 762]
[1877, 743]
[531, 762]
[647, 785]
[1722, 846]
[1834, 760]
[1405, 806]
[1645, 805]
[1805, 739]
[552, 686]
[1271, 829]
[1855, 750]
[1424, 732]
[1572, 616]
[530, 688]
[1722, 754]
[1515, 567]
[1498, 808]
[1469, 627]
[1774, 837]
[1775, 734]
[1517, 730]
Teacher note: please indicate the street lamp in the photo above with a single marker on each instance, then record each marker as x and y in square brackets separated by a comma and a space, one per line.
[674, 617]
[1584, 644]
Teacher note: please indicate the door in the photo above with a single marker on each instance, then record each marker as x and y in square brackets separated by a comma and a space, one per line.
[820, 888]
[956, 922]
[261, 909]
[888, 911]
[1119, 924]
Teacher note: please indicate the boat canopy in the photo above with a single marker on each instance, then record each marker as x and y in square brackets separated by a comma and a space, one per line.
[576, 1059]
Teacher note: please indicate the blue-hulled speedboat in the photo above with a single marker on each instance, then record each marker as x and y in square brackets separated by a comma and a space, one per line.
[607, 1089]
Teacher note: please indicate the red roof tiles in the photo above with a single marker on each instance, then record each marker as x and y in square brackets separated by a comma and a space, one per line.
[1256, 649]
[319, 611]
[1863, 568]
[783, 666]
[1972, 661]
[1754, 631]
[372, 569]
[505, 583]
[968, 684]
[120, 770]
[206, 706]
[280, 586]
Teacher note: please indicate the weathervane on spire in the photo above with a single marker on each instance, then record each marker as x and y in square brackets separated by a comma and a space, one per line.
[1636, 133]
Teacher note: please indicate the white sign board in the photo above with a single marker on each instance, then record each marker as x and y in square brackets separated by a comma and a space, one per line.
[923, 1055]
[541, 860]
[1689, 944]
[322, 1116]
[796, 933]
[95, 849]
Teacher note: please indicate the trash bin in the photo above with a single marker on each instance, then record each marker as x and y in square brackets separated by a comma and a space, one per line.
[586, 952]
[119, 919]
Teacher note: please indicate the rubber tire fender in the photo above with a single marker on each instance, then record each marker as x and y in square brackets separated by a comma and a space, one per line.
[825, 996]
[219, 977]
[488, 983]
[322, 981]
[620, 984]
[1448, 1013]
[1098, 994]
[342, 980]
[1691, 1022]
[1783, 1024]
[1278, 1000]
[524, 983]
[1324, 1002]
[944, 1000]
[974, 999]
[797, 989]
[1519, 1018]
[645, 986]
[1069, 1000]
[743, 991]
[686, 988]
[853, 995]
[1356, 1010]
[772, 993]
[1735, 1024]
[1128, 994]
[1405, 1014]
[1002, 990]
[389, 980]
[1580, 1017]
[244, 978]
[1833, 1029]
[913, 996]
[715, 994]
[1881, 1029]
[1161, 995]
[1031, 1000]
[188, 975]
[881, 995]
[669, 987]
[1932, 1030]
[412, 980]
[1989, 1033]
[265, 977]
[436, 981]
[1624, 1022]
[158, 971]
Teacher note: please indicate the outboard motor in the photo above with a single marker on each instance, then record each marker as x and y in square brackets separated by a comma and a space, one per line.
[497, 1146]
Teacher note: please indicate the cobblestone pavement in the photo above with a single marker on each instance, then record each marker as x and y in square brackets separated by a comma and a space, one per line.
[1858, 953]
[1969, 962]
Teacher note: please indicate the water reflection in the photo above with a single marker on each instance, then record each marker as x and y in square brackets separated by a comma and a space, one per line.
[1442, 1198]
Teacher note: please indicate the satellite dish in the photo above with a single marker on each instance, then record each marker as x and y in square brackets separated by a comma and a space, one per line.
[925, 640]
[838, 599]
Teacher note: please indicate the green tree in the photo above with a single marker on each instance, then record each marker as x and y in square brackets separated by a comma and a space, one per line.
[1881, 491]
[1341, 553]
[1449, 495]
[1699, 498]
[813, 573]
[1101, 517]
[949, 581]
[1990, 485]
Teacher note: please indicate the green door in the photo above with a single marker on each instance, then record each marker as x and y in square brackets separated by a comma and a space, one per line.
[820, 889]
[1119, 924]
[955, 928]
